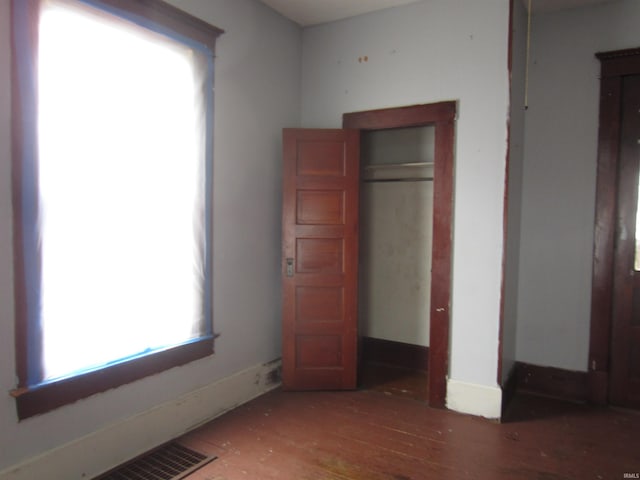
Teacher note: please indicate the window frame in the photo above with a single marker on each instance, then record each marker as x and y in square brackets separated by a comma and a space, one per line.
[38, 399]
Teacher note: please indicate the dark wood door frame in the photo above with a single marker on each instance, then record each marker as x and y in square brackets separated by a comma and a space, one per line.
[442, 116]
[614, 65]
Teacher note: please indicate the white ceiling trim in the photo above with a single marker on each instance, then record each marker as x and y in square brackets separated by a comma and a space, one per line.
[542, 6]
[313, 12]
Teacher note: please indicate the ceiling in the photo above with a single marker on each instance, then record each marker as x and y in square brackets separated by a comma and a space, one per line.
[314, 12]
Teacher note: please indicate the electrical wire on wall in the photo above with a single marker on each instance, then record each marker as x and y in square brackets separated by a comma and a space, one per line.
[526, 73]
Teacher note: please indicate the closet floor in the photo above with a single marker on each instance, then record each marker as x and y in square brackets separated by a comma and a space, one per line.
[393, 380]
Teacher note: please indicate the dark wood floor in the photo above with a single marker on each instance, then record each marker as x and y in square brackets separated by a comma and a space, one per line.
[378, 434]
[392, 380]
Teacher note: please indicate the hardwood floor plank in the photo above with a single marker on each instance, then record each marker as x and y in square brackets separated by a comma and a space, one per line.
[369, 435]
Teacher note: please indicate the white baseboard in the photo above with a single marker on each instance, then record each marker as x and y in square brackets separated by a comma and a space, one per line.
[106, 448]
[474, 399]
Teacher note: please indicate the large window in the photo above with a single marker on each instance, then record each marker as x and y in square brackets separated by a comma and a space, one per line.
[112, 192]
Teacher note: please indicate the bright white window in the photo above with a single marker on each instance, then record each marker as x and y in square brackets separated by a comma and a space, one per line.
[112, 155]
[112, 113]
[121, 182]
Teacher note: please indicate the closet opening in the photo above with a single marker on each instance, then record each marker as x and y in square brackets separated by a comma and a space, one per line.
[396, 238]
[441, 118]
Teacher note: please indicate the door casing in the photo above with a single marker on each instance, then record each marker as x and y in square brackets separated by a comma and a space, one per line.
[614, 65]
[441, 115]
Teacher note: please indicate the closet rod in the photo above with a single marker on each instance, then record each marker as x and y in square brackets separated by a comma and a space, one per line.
[408, 179]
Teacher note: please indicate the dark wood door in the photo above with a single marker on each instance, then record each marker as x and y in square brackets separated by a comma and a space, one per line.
[320, 258]
[625, 351]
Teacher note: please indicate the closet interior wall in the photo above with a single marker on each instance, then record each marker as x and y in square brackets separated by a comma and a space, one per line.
[396, 220]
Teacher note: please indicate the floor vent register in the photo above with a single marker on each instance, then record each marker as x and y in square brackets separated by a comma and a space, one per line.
[169, 462]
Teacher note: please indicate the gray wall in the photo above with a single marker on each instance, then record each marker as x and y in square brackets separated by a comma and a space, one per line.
[257, 93]
[559, 177]
[514, 187]
[427, 52]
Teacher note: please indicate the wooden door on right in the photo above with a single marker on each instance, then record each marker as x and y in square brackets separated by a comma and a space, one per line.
[625, 335]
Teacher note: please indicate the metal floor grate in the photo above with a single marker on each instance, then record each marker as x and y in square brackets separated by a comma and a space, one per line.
[169, 462]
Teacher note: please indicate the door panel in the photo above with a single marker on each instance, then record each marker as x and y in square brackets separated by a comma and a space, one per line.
[319, 255]
[320, 207]
[320, 258]
[625, 346]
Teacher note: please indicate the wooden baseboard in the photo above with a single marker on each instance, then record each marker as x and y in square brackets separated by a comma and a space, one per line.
[598, 382]
[509, 389]
[551, 381]
[397, 354]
